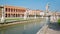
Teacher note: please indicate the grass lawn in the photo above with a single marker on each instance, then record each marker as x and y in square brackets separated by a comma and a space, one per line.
[59, 21]
[14, 19]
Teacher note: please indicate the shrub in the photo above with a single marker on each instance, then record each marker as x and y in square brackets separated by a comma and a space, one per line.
[59, 21]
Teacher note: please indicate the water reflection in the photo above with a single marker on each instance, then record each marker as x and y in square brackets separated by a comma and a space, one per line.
[28, 28]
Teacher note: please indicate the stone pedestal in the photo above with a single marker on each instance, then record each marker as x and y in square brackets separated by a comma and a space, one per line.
[35, 16]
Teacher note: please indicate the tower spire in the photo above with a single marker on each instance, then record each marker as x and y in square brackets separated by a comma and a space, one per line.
[47, 7]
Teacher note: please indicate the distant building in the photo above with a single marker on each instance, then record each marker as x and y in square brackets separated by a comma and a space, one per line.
[54, 16]
[12, 11]
[35, 12]
[42, 13]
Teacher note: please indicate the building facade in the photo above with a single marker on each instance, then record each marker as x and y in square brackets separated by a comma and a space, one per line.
[35, 12]
[12, 11]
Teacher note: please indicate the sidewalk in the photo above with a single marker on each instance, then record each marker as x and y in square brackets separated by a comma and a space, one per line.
[53, 28]
[51, 31]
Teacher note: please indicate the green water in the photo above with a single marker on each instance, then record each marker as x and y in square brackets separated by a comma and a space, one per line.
[27, 28]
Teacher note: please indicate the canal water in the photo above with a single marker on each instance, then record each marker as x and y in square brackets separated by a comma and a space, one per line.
[26, 28]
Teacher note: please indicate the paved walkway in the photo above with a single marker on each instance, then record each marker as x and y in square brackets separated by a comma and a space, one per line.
[53, 28]
[51, 31]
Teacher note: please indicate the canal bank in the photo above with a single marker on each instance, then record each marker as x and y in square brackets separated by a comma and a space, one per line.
[31, 27]
[21, 22]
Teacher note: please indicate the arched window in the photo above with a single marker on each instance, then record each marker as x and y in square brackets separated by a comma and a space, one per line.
[14, 10]
[6, 15]
[13, 15]
[16, 15]
[11, 9]
[6, 9]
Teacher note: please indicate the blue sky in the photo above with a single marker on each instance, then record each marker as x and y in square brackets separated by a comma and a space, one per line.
[33, 4]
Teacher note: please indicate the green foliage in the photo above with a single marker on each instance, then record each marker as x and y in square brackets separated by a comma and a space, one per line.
[59, 21]
[14, 18]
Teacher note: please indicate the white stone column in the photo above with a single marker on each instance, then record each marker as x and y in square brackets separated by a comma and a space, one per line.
[3, 15]
[28, 12]
[35, 15]
[25, 15]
